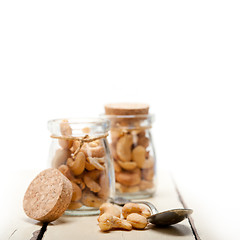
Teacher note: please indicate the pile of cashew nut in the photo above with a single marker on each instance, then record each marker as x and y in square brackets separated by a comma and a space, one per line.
[134, 216]
[86, 170]
[133, 164]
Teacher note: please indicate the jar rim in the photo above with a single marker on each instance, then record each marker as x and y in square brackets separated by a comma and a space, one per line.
[103, 124]
[80, 120]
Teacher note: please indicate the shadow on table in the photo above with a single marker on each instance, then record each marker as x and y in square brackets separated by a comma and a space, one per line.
[176, 230]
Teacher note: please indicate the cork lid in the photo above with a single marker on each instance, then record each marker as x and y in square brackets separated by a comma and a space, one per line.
[47, 196]
[126, 108]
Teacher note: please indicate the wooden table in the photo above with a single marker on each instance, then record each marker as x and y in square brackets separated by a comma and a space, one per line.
[19, 226]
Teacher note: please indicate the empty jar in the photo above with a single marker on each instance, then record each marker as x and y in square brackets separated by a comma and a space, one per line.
[80, 151]
[132, 149]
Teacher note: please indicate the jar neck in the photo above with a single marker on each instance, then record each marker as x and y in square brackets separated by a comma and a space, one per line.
[130, 122]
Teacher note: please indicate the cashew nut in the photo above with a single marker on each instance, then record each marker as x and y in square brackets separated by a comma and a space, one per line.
[61, 156]
[75, 146]
[145, 185]
[89, 166]
[115, 135]
[123, 147]
[127, 165]
[148, 174]
[143, 140]
[141, 209]
[104, 184]
[65, 128]
[113, 151]
[93, 149]
[137, 221]
[96, 162]
[77, 192]
[64, 169]
[86, 130]
[138, 155]
[74, 205]
[128, 178]
[80, 182]
[91, 200]
[117, 168]
[90, 182]
[123, 189]
[110, 209]
[108, 222]
[65, 144]
[149, 163]
[77, 165]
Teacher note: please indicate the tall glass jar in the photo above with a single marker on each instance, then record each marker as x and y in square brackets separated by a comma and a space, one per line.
[132, 149]
[80, 151]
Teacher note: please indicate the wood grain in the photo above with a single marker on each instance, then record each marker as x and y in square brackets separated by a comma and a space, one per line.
[75, 228]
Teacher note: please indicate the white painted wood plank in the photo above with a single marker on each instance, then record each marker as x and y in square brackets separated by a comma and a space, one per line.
[14, 222]
[86, 227]
[21, 227]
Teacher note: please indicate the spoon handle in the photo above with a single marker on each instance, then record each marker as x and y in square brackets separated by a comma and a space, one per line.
[150, 205]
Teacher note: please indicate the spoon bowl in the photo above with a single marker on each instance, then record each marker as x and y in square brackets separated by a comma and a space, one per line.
[169, 217]
[165, 218]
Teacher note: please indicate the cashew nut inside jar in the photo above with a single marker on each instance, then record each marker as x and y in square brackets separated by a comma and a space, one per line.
[80, 150]
[132, 149]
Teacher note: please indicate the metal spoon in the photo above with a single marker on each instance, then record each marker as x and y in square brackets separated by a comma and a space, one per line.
[165, 218]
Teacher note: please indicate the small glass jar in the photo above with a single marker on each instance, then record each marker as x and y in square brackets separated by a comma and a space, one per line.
[80, 151]
[133, 152]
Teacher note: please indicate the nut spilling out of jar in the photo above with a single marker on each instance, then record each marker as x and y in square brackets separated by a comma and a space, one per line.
[84, 162]
[134, 216]
[132, 149]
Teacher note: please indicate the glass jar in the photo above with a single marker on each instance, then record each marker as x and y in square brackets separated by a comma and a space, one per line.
[133, 153]
[80, 151]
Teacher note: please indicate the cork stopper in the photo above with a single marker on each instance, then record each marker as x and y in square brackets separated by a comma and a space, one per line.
[47, 196]
[126, 108]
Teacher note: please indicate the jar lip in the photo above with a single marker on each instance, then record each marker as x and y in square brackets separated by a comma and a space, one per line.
[100, 125]
[72, 121]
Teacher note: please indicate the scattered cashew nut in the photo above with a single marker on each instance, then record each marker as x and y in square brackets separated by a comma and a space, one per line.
[137, 221]
[110, 209]
[141, 209]
[108, 222]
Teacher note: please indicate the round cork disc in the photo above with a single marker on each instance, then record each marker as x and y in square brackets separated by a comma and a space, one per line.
[47, 196]
[126, 108]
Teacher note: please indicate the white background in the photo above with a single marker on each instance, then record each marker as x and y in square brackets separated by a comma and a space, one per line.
[68, 58]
